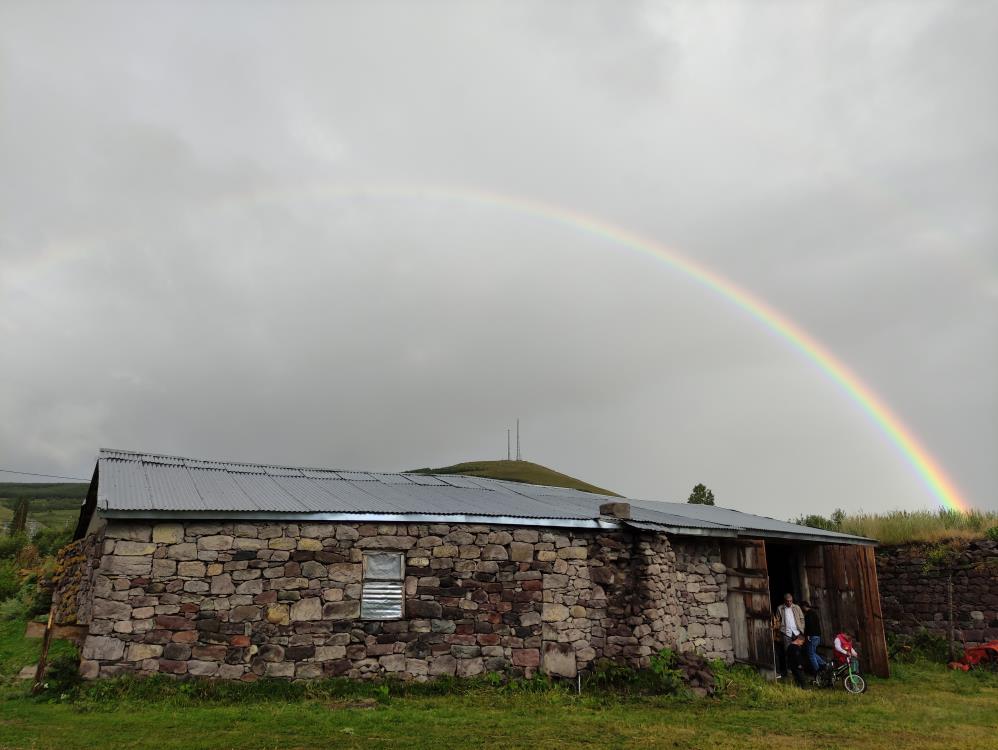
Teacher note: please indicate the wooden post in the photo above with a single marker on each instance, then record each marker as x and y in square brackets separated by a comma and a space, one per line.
[43, 656]
[952, 634]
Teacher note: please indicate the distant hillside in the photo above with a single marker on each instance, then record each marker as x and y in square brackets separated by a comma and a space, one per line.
[39, 491]
[53, 506]
[517, 471]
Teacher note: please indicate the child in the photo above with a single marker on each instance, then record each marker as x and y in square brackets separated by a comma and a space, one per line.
[844, 650]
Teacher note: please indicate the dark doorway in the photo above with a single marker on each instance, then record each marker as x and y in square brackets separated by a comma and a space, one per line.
[784, 575]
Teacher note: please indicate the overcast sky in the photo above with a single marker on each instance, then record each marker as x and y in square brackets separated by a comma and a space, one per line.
[192, 260]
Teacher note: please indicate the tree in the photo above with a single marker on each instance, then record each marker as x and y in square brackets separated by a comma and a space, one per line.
[20, 520]
[701, 496]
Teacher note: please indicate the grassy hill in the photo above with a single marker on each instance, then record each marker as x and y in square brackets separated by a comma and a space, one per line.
[517, 471]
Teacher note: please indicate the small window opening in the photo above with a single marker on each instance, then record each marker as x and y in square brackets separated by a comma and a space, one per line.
[381, 598]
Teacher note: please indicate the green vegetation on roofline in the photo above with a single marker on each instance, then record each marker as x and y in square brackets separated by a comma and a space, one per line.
[517, 471]
[908, 526]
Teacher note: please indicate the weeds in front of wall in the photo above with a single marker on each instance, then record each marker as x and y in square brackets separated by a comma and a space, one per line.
[924, 645]
[64, 685]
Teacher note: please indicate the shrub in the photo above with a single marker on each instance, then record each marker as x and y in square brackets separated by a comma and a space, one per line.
[665, 677]
[608, 674]
[11, 545]
[62, 676]
[14, 608]
[10, 579]
[926, 645]
[992, 533]
[50, 541]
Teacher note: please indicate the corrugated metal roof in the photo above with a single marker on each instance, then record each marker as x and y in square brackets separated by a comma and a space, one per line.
[145, 484]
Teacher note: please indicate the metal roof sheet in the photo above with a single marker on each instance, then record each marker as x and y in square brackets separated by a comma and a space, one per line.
[150, 484]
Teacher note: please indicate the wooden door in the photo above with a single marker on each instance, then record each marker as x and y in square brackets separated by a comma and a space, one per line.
[844, 586]
[749, 613]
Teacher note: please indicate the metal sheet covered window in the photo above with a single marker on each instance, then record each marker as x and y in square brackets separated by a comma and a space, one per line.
[381, 598]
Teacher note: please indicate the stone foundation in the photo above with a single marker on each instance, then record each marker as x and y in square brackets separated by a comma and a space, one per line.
[245, 600]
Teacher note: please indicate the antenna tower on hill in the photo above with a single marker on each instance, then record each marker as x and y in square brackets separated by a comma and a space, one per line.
[519, 456]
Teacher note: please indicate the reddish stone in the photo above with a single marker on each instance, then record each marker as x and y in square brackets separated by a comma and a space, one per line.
[172, 667]
[185, 636]
[526, 657]
[174, 622]
[488, 639]
[209, 653]
[158, 636]
[267, 597]
[337, 668]
[534, 585]
[189, 608]
[240, 640]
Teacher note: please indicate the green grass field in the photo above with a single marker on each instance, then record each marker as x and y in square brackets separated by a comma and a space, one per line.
[923, 706]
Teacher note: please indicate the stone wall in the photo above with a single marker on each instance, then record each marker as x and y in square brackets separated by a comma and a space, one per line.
[701, 582]
[72, 595]
[914, 589]
[244, 600]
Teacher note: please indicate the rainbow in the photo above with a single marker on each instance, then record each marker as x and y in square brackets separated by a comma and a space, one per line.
[925, 466]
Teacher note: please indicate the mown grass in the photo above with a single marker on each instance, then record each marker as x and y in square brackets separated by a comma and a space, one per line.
[927, 708]
[923, 706]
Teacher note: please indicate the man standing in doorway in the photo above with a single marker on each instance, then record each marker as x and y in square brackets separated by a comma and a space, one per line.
[791, 622]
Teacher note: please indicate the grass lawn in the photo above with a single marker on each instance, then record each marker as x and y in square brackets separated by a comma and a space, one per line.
[924, 706]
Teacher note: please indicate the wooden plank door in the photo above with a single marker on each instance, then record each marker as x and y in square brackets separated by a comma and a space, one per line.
[849, 599]
[749, 612]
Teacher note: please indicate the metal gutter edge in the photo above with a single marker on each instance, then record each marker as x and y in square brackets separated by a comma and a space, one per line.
[681, 530]
[259, 515]
[856, 540]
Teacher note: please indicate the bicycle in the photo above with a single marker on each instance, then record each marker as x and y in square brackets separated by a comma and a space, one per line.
[852, 680]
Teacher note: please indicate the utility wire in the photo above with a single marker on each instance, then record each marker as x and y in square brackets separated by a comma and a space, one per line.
[48, 476]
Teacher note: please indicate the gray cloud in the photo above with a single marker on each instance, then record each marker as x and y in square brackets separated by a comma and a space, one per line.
[178, 271]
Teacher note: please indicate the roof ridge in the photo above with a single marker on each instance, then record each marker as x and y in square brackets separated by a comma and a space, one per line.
[268, 465]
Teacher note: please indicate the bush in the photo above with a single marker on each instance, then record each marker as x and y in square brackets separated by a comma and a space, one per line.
[609, 675]
[925, 645]
[10, 579]
[10, 546]
[666, 679]
[14, 608]
[50, 541]
[62, 676]
[993, 533]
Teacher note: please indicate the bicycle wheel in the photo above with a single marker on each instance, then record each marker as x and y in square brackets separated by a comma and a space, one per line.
[854, 683]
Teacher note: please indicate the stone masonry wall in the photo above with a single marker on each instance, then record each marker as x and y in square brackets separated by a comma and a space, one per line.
[914, 589]
[72, 596]
[701, 581]
[245, 600]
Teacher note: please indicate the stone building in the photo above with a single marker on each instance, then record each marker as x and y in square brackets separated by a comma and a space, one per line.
[239, 571]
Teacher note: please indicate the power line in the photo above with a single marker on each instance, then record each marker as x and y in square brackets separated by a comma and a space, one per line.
[47, 476]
